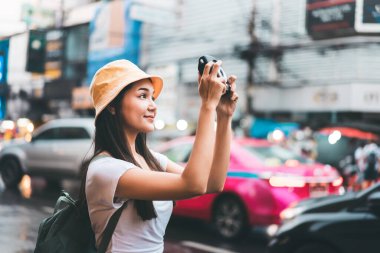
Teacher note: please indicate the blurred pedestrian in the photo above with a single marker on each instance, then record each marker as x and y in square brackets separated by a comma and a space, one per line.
[360, 159]
[124, 169]
[349, 167]
[372, 154]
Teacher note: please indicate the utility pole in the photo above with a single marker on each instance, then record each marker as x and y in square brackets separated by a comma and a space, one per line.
[251, 58]
[275, 41]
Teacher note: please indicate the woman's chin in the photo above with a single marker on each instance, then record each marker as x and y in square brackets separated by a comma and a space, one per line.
[148, 129]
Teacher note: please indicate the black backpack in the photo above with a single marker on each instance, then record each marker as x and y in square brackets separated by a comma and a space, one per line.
[69, 230]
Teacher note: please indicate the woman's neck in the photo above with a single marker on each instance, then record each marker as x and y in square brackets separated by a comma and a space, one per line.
[132, 142]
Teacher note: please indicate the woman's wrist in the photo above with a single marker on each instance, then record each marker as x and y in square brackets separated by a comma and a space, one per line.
[208, 106]
[223, 116]
[223, 119]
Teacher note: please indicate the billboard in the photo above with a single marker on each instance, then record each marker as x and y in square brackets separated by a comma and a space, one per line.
[367, 18]
[113, 35]
[330, 18]
[337, 18]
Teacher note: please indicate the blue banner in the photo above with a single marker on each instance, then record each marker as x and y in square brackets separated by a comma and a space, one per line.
[113, 35]
[4, 47]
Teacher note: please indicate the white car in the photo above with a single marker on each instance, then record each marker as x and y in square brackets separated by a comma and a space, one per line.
[56, 151]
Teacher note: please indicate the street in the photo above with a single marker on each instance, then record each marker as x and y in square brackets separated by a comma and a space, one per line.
[22, 210]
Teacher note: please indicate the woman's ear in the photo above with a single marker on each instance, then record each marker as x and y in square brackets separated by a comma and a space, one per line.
[111, 109]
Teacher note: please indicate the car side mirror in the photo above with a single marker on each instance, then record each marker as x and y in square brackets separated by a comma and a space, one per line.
[373, 202]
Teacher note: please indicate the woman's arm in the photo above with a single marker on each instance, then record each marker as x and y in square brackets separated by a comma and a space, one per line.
[149, 185]
[221, 158]
[173, 167]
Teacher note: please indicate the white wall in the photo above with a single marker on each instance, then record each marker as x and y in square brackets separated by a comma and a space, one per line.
[17, 76]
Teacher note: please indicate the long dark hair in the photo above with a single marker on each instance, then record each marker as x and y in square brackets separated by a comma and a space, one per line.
[110, 137]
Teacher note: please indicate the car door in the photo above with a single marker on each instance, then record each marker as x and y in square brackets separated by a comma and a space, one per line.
[357, 231]
[72, 145]
[364, 235]
[40, 151]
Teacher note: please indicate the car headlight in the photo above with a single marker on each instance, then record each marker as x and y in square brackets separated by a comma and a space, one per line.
[271, 230]
[290, 212]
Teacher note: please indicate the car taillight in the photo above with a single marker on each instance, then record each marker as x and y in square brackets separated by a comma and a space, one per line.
[277, 181]
[337, 182]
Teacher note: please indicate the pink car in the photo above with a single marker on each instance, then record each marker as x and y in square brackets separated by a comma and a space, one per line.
[263, 179]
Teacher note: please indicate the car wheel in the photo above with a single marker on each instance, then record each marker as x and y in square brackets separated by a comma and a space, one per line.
[229, 217]
[11, 172]
[315, 248]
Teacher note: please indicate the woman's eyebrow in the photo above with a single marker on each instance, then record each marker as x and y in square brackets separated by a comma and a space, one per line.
[145, 89]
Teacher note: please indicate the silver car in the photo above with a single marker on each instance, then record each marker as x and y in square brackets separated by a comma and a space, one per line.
[56, 151]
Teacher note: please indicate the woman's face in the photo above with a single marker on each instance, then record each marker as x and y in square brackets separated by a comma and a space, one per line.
[138, 108]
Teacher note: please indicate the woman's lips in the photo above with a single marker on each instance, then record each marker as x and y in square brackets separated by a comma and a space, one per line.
[149, 118]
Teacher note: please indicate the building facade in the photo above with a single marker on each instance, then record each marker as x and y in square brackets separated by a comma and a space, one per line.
[285, 71]
[294, 77]
[171, 48]
[331, 80]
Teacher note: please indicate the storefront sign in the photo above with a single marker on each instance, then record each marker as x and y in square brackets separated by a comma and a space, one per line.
[336, 18]
[36, 51]
[54, 54]
[344, 97]
[330, 18]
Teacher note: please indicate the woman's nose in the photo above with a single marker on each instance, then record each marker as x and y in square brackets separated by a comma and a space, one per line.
[152, 106]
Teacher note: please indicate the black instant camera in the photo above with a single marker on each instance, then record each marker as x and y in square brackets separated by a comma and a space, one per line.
[203, 60]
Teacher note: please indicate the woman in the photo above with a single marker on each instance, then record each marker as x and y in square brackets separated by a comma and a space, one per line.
[124, 169]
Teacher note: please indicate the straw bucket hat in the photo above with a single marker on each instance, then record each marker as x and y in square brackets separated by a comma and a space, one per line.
[113, 77]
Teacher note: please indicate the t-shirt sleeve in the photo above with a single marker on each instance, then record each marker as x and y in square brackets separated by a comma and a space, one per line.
[162, 159]
[101, 181]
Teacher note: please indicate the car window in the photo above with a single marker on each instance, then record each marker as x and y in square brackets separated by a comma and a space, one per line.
[274, 155]
[179, 153]
[49, 134]
[72, 133]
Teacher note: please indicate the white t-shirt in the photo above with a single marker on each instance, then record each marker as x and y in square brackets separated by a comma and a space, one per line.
[131, 234]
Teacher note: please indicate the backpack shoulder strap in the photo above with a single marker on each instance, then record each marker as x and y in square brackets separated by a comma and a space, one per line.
[108, 232]
[110, 228]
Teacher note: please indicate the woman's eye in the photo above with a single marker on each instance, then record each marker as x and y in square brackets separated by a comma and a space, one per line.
[144, 96]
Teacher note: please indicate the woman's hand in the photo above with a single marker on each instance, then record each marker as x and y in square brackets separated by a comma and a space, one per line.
[210, 86]
[227, 103]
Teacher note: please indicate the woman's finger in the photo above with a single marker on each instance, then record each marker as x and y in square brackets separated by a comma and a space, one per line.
[207, 68]
[232, 82]
[232, 78]
[215, 68]
[234, 96]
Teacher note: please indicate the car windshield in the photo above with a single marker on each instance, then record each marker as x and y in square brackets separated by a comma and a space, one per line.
[276, 155]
